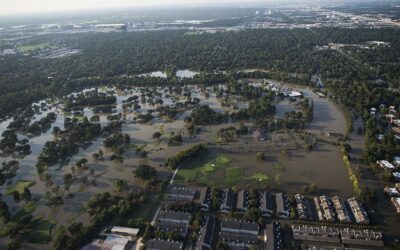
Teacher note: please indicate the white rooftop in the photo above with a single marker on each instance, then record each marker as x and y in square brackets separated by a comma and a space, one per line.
[125, 230]
[115, 243]
[386, 164]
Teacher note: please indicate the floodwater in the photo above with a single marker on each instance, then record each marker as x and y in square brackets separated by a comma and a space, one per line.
[328, 117]
[323, 166]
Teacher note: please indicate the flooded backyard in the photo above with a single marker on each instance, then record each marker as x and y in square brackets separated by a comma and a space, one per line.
[288, 171]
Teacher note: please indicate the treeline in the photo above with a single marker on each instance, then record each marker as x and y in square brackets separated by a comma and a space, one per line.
[26, 79]
[103, 209]
[174, 161]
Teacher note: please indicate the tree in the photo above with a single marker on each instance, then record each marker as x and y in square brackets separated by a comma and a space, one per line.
[145, 172]
[222, 246]
[156, 135]
[261, 156]
[120, 185]
[27, 194]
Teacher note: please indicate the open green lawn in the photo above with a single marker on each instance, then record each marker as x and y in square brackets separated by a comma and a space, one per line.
[278, 166]
[30, 48]
[232, 176]
[20, 186]
[259, 177]
[217, 172]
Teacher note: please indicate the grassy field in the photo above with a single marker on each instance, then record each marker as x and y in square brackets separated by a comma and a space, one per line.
[218, 172]
[31, 48]
[20, 186]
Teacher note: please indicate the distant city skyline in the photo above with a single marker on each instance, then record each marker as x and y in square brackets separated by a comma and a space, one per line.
[15, 7]
[12, 7]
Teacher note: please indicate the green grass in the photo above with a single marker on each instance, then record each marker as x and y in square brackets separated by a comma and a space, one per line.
[5, 229]
[31, 48]
[20, 186]
[259, 177]
[232, 176]
[199, 171]
[278, 166]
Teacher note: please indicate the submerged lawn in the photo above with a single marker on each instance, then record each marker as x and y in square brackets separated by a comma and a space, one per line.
[20, 186]
[218, 172]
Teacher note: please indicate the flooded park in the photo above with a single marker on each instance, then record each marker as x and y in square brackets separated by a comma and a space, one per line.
[288, 164]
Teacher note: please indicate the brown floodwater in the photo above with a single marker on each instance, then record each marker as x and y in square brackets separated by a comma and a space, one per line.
[323, 166]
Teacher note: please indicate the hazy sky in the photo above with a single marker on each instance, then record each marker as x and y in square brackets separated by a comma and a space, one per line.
[11, 7]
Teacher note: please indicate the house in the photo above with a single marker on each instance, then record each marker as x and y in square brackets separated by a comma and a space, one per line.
[228, 200]
[301, 207]
[238, 241]
[394, 112]
[396, 161]
[316, 233]
[358, 211]
[259, 135]
[115, 242]
[242, 201]
[174, 217]
[205, 198]
[318, 208]
[158, 244]
[392, 192]
[125, 231]
[361, 237]
[164, 226]
[396, 203]
[180, 193]
[171, 221]
[395, 131]
[266, 204]
[282, 205]
[327, 208]
[239, 226]
[111, 242]
[239, 234]
[206, 235]
[341, 210]
[396, 176]
[385, 164]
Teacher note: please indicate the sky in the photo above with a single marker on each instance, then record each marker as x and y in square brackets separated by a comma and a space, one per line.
[13, 7]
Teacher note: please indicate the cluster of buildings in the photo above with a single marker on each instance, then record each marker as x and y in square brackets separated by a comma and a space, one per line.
[280, 90]
[336, 209]
[392, 167]
[394, 194]
[393, 117]
[236, 233]
[335, 235]
[270, 204]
